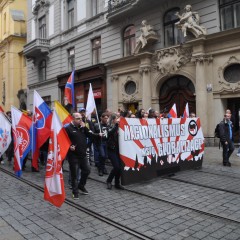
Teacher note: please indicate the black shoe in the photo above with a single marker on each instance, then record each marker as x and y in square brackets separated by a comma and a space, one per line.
[100, 173]
[109, 185]
[224, 164]
[105, 171]
[83, 190]
[75, 196]
[34, 170]
[228, 164]
[120, 187]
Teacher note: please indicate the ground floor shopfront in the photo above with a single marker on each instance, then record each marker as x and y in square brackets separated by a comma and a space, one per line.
[204, 72]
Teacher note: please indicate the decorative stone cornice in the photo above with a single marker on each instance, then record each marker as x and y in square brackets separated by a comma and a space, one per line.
[127, 98]
[114, 78]
[144, 69]
[202, 58]
[171, 60]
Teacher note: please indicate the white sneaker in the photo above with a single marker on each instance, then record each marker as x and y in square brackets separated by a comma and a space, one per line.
[2, 162]
[238, 154]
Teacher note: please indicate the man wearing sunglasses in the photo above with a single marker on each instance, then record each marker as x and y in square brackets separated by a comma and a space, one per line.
[78, 134]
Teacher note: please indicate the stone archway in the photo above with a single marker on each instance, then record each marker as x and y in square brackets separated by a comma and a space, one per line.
[180, 90]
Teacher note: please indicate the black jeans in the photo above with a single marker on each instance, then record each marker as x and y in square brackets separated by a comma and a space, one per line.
[75, 163]
[227, 151]
[116, 163]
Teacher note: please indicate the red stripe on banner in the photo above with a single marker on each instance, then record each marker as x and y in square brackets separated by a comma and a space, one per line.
[129, 162]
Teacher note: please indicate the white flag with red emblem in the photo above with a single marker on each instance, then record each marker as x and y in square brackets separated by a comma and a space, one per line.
[5, 134]
[59, 144]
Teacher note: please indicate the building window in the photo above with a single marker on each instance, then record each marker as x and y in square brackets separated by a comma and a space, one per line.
[71, 59]
[130, 87]
[172, 35]
[4, 23]
[95, 7]
[47, 100]
[96, 50]
[129, 40]
[42, 28]
[3, 93]
[42, 70]
[229, 14]
[70, 13]
[232, 73]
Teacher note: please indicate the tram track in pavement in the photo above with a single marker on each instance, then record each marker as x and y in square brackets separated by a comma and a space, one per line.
[84, 209]
[181, 205]
[158, 199]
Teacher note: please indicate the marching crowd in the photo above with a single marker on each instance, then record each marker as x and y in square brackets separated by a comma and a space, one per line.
[98, 140]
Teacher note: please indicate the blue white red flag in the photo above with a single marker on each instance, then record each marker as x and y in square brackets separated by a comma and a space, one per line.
[21, 126]
[186, 111]
[59, 144]
[5, 134]
[42, 119]
[69, 90]
[173, 112]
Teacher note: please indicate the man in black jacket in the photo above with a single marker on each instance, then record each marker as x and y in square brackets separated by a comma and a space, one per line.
[78, 133]
[226, 138]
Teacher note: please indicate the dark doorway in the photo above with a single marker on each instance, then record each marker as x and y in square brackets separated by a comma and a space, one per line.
[179, 90]
[234, 105]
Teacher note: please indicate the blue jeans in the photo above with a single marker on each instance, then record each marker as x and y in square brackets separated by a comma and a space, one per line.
[113, 155]
[102, 151]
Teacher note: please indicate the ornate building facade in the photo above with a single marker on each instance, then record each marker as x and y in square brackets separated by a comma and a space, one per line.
[13, 81]
[139, 54]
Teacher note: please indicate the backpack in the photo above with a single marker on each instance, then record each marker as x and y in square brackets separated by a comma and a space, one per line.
[217, 132]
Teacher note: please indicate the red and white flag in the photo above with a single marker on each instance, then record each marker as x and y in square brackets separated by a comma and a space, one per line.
[59, 144]
[173, 112]
[186, 111]
[5, 134]
[21, 126]
[91, 106]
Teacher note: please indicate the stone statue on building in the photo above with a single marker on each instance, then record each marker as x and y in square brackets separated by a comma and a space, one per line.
[147, 34]
[189, 21]
[22, 97]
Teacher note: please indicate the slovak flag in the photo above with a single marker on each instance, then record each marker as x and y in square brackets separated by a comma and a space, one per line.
[42, 118]
[186, 111]
[59, 144]
[21, 126]
[173, 112]
[69, 90]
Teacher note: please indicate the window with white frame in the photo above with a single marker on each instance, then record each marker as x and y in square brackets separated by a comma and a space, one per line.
[95, 6]
[70, 13]
[96, 50]
[42, 28]
[229, 14]
[71, 59]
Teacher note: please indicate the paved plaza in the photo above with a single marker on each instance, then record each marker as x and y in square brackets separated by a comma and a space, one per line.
[194, 204]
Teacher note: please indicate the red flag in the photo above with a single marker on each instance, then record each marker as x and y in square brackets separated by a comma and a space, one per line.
[186, 111]
[1, 109]
[69, 90]
[59, 144]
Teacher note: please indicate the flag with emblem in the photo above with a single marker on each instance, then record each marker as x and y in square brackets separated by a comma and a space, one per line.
[21, 127]
[69, 90]
[5, 134]
[59, 144]
[42, 117]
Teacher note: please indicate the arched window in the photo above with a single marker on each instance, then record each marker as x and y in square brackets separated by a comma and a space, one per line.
[42, 70]
[129, 40]
[172, 35]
